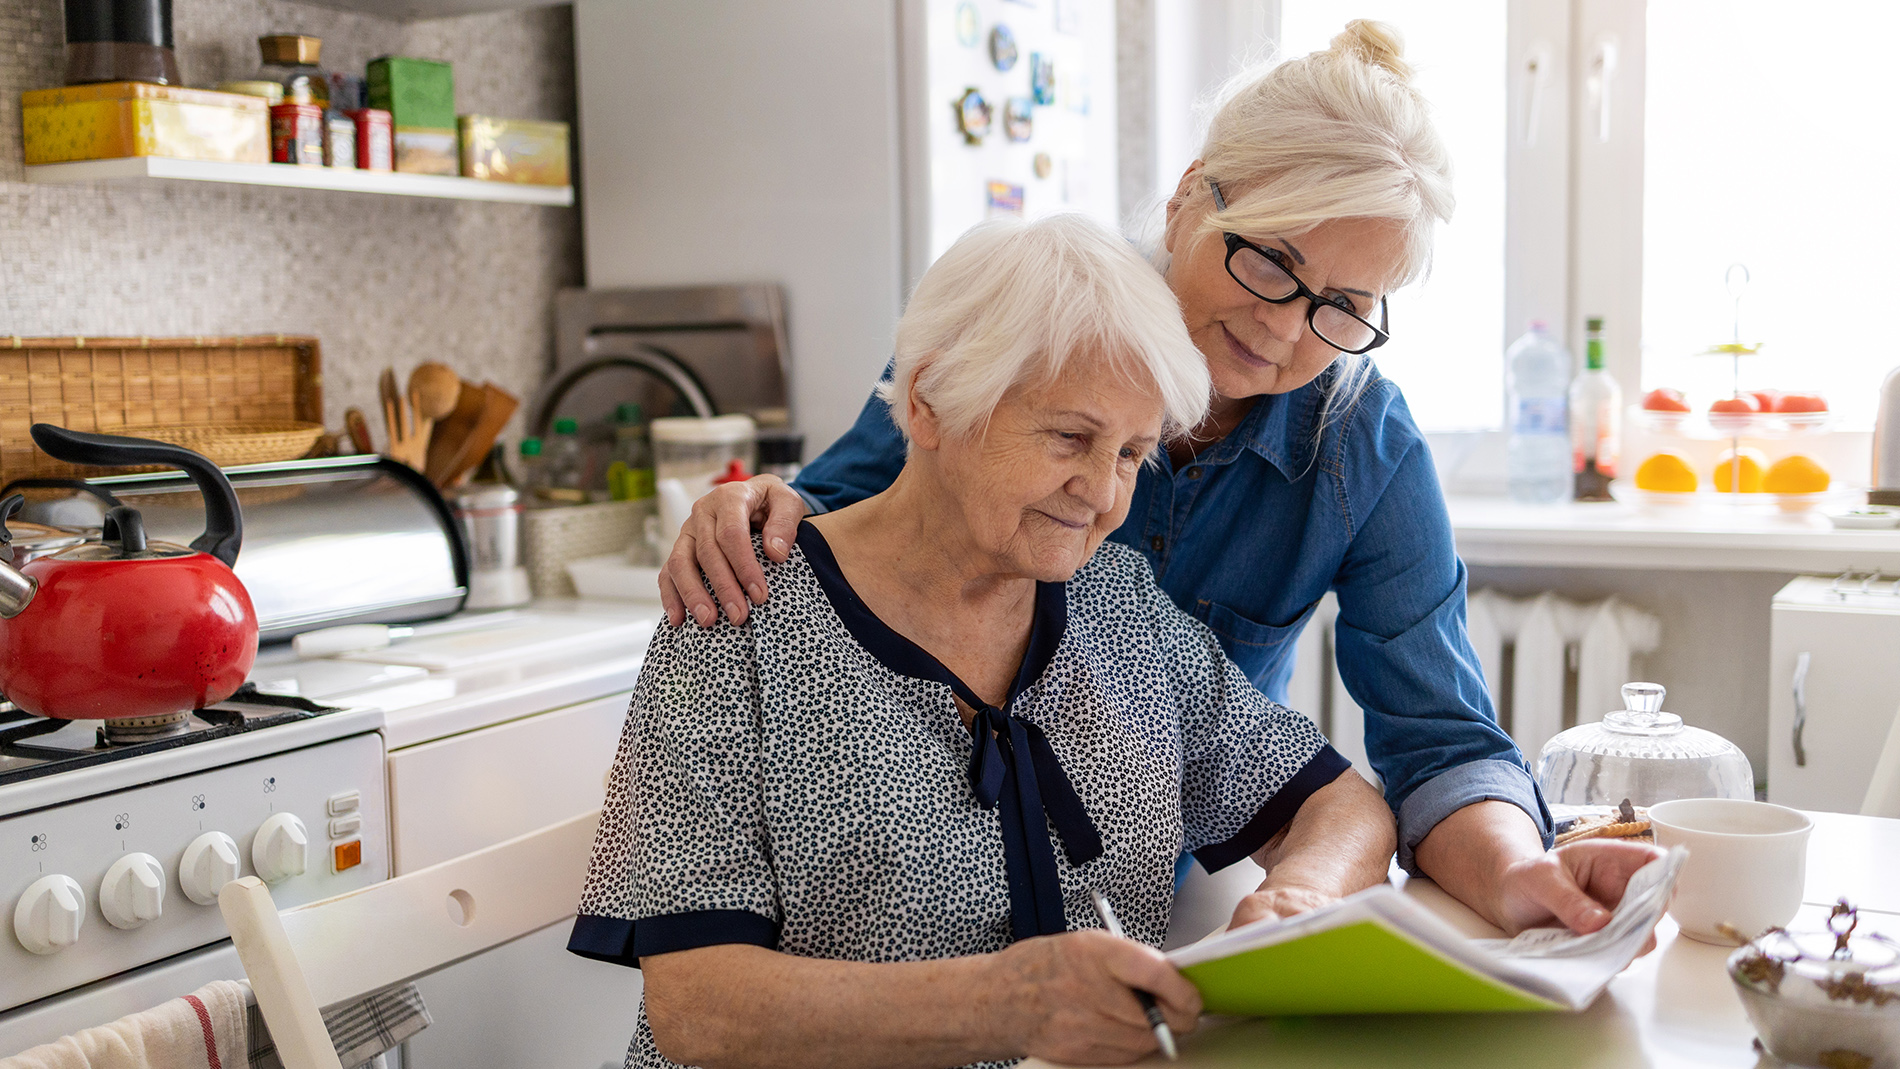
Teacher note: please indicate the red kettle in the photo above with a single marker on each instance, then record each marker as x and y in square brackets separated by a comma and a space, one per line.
[124, 627]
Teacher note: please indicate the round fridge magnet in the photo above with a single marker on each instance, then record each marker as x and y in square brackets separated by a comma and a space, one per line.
[1002, 47]
[973, 116]
[969, 26]
[1043, 164]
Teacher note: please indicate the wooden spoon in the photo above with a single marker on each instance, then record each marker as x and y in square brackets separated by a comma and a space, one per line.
[433, 391]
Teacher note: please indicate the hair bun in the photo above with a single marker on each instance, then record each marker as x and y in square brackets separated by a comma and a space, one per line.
[1376, 43]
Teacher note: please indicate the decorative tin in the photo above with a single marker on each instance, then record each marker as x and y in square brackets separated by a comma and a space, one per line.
[296, 134]
[375, 140]
[113, 120]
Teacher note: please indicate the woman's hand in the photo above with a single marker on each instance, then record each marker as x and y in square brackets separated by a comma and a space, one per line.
[1070, 998]
[1575, 885]
[717, 540]
[1278, 902]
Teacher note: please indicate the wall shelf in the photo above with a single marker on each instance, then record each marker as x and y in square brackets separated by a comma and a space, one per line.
[148, 169]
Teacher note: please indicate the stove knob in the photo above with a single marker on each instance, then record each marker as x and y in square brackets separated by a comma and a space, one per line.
[281, 849]
[133, 891]
[48, 917]
[210, 862]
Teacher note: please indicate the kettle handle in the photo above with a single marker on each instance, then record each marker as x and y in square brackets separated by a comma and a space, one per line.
[224, 527]
[11, 505]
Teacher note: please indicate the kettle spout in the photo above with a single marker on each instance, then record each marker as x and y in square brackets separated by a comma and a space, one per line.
[16, 590]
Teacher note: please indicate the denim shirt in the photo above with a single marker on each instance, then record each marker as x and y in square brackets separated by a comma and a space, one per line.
[1249, 536]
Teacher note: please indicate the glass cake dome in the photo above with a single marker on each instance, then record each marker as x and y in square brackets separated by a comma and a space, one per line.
[1643, 754]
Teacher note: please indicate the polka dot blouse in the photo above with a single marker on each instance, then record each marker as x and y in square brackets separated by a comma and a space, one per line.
[805, 783]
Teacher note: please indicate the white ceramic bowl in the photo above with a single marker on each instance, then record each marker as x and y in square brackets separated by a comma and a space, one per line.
[1748, 864]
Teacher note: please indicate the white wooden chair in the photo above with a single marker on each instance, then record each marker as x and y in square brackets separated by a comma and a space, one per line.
[1883, 792]
[342, 948]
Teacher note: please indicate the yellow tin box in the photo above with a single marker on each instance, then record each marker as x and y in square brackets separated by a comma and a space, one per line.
[514, 150]
[113, 120]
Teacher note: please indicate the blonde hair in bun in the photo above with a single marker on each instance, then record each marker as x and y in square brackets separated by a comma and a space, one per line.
[1338, 134]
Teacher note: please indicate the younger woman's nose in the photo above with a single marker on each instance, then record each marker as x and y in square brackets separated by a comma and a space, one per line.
[1286, 322]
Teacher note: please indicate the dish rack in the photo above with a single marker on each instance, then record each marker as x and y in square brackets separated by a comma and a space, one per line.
[237, 399]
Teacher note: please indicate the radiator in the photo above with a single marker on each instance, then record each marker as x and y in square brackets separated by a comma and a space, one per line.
[1546, 660]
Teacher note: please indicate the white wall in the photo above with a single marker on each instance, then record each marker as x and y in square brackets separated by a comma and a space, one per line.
[726, 141]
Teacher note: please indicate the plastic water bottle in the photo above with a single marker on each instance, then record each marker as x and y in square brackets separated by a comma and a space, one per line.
[1539, 462]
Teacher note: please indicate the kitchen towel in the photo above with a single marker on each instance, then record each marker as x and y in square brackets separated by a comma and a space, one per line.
[202, 1030]
[359, 1030]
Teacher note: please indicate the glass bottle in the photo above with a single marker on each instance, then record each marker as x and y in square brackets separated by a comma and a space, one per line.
[1596, 421]
[630, 473]
[528, 471]
[561, 466]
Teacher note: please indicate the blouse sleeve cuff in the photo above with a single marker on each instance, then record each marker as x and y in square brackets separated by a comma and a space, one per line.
[625, 942]
[1324, 767]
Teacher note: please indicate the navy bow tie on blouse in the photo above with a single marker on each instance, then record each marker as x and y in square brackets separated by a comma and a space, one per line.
[1013, 769]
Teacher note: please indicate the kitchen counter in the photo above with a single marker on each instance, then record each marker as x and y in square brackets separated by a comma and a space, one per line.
[1498, 531]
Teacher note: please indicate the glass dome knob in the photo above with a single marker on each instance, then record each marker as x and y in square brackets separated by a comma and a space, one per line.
[1642, 712]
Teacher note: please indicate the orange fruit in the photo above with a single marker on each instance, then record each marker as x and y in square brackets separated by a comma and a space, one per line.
[1751, 464]
[1795, 475]
[1666, 473]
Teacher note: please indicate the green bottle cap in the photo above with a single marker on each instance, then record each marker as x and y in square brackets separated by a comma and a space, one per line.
[630, 412]
[566, 426]
[1593, 323]
[531, 447]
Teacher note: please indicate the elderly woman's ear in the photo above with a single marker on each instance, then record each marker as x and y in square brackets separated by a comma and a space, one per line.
[926, 432]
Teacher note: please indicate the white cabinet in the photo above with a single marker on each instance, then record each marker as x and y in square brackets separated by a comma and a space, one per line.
[1843, 703]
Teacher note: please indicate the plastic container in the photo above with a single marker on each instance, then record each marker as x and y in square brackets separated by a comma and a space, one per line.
[527, 474]
[562, 476]
[630, 471]
[1643, 754]
[1539, 468]
[696, 451]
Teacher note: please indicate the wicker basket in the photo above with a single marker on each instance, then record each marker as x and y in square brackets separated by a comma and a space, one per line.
[231, 444]
[552, 537]
[136, 386]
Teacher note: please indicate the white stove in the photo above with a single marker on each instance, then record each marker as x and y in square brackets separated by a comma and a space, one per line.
[425, 750]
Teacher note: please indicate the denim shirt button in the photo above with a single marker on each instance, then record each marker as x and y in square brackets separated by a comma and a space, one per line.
[1194, 472]
[1157, 542]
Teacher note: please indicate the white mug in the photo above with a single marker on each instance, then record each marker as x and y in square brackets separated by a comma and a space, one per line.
[1747, 867]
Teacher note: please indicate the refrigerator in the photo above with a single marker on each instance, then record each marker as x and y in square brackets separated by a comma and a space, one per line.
[835, 149]
[1834, 691]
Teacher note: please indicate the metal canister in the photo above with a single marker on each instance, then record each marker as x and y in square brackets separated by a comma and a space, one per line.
[375, 140]
[296, 134]
[490, 515]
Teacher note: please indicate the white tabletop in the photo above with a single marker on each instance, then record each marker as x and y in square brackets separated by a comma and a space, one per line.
[1673, 1008]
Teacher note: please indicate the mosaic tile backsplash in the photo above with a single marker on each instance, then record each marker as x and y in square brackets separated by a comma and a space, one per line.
[381, 280]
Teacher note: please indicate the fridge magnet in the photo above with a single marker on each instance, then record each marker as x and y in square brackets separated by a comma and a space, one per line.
[1042, 77]
[1076, 95]
[973, 116]
[1043, 164]
[1006, 198]
[1068, 17]
[1002, 47]
[1019, 118]
[969, 26]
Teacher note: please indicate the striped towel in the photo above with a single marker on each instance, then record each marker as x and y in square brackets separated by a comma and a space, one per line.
[360, 1030]
[202, 1030]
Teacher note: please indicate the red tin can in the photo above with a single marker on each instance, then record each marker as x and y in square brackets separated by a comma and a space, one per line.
[296, 134]
[375, 139]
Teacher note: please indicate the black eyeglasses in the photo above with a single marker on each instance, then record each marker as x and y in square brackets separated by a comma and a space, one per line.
[1264, 273]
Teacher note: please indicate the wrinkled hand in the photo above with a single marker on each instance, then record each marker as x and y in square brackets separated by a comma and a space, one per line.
[1278, 902]
[1070, 998]
[1575, 885]
[717, 540]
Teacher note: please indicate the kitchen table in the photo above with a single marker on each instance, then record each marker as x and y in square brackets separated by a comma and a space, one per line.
[1672, 1008]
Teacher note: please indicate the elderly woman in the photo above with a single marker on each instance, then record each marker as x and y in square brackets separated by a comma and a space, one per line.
[1315, 195]
[862, 828]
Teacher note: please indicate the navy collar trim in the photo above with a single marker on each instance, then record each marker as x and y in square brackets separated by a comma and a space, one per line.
[905, 657]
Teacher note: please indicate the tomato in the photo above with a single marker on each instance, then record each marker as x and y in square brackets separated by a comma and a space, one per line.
[1801, 402]
[1744, 403]
[1665, 400]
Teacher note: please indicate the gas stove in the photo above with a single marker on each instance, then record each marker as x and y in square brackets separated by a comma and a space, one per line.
[32, 746]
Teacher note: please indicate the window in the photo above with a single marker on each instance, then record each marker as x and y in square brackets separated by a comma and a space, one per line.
[1766, 144]
[1448, 333]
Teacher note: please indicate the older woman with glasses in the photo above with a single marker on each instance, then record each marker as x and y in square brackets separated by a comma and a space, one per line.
[864, 828]
[1315, 195]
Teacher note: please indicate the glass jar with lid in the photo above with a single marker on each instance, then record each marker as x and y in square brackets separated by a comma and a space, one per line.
[1643, 754]
[1823, 998]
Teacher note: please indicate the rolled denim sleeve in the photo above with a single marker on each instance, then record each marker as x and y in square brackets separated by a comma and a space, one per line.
[1404, 653]
[865, 461]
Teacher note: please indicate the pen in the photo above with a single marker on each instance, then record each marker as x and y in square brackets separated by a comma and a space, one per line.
[1163, 1034]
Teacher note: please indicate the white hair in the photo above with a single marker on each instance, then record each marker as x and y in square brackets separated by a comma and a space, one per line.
[1013, 303]
[1338, 134]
